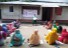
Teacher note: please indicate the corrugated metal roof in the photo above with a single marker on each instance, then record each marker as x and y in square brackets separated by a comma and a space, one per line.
[43, 4]
[54, 0]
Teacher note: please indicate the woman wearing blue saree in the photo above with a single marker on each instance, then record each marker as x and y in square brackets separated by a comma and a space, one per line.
[4, 28]
[17, 39]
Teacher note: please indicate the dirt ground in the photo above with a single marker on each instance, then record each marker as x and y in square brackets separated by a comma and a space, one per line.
[27, 30]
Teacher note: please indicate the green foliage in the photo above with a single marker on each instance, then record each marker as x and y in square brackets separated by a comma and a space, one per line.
[7, 0]
[28, 0]
[3, 0]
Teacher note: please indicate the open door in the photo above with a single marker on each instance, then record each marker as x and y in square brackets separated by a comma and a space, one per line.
[46, 13]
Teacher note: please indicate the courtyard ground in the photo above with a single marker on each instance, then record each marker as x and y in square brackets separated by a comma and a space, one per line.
[27, 30]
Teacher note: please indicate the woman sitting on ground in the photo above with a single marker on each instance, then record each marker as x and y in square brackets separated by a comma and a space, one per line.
[49, 25]
[34, 40]
[16, 23]
[64, 36]
[11, 28]
[17, 39]
[58, 27]
[2, 37]
[5, 29]
[0, 28]
[52, 37]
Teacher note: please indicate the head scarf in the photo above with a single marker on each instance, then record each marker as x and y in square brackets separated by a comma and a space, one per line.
[52, 36]
[64, 30]
[4, 25]
[54, 30]
[64, 33]
[17, 32]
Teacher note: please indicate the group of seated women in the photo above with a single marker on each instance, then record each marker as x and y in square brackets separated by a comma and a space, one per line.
[5, 31]
[50, 25]
[7, 28]
[17, 38]
[52, 37]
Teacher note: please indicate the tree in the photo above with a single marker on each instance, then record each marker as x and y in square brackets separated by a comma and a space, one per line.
[7, 0]
[2, 0]
[28, 0]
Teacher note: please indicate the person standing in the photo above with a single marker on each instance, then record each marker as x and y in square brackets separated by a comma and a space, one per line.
[34, 20]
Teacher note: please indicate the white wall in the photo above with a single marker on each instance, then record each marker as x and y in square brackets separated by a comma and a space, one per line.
[64, 15]
[6, 14]
[54, 0]
[17, 14]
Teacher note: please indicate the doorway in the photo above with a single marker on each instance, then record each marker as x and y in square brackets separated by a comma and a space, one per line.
[46, 13]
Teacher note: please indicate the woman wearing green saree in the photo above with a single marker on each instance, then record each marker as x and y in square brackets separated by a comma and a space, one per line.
[17, 39]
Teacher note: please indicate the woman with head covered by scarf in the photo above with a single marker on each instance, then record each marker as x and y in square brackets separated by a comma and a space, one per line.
[0, 28]
[11, 28]
[34, 40]
[58, 27]
[49, 25]
[17, 39]
[16, 23]
[64, 36]
[4, 28]
[2, 37]
[52, 36]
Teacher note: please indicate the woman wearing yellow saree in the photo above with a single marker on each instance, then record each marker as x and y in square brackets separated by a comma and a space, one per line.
[52, 36]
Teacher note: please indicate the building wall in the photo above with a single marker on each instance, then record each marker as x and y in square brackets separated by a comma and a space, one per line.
[6, 14]
[64, 15]
[17, 14]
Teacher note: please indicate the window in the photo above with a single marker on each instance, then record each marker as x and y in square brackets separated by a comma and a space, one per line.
[11, 8]
[58, 11]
